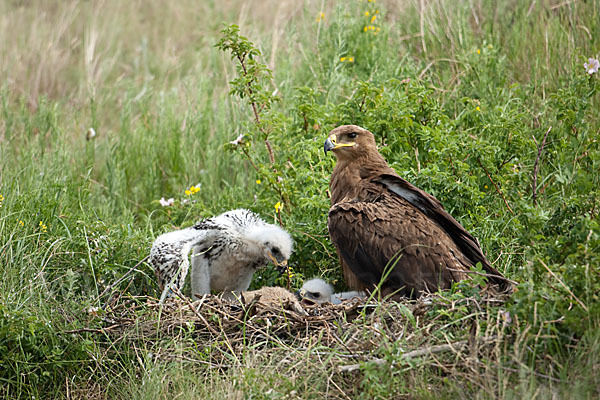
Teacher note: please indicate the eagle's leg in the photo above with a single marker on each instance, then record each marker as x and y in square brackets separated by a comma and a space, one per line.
[238, 284]
[200, 274]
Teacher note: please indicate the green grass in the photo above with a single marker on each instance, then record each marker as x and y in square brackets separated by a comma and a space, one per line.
[459, 95]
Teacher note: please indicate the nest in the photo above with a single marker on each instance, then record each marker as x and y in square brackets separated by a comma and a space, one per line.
[214, 331]
[228, 326]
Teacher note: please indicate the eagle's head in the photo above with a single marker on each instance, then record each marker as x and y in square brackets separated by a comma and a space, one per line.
[315, 291]
[275, 243]
[349, 142]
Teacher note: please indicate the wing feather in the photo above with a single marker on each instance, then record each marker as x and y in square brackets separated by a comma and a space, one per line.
[371, 236]
[432, 208]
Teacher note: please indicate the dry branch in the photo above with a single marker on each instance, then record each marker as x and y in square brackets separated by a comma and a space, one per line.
[565, 286]
[132, 269]
[495, 186]
[440, 348]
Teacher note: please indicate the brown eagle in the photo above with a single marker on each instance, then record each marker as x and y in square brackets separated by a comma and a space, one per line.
[383, 226]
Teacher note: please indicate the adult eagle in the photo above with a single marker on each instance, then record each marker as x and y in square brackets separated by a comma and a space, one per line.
[383, 226]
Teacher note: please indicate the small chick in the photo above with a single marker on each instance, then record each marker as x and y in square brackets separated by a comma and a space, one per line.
[317, 291]
[275, 296]
[269, 295]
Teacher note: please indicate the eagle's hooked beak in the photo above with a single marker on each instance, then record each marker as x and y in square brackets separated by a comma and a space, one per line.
[329, 145]
[332, 144]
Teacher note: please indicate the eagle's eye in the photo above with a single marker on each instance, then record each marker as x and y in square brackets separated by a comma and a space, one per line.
[352, 135]
[276, 251]
[316, 295]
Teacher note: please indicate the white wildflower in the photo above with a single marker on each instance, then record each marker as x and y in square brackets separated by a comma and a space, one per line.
[506, 317]
[90, 134]
[237, 140]
[592, 65]
[166, 203]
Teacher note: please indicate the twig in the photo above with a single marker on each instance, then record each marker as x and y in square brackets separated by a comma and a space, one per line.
[335, 385]
[536, 165]
[288, 276]
[257, 329]
[181, 357]
[565, 286]
[250, 159]
[529, 371]
[487, 275]
[417, 158]
[362, 103]
[93, 330]
[210, 328]
[440, 348]
[121, 279]
[495, 186]
[305, 123]
[564, 3]
[255, 110]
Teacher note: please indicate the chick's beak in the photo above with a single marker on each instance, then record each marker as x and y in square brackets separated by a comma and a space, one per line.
[276, 262]
[300, 293]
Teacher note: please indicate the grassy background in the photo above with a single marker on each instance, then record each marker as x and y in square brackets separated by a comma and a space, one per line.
[459, 93]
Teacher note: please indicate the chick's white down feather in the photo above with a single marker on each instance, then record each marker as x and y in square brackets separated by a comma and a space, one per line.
[227, 250]
[318, 291]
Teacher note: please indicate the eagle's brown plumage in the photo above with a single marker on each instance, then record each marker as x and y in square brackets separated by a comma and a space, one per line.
[378, 219]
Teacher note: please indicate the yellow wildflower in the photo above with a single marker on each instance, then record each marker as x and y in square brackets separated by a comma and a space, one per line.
[278, 206]
[366, 13]
[258, 182]
[365, 29]
[43, 227]
[321, 16]
[373, 19]
[21, 223]
[342, 59]
[485, 186]
[477, 108]
[192, 190]
[290, 272]
[1, 200]
[478, 51]
[350, 59]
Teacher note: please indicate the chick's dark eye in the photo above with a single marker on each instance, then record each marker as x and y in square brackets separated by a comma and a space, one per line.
[352, 135]
[316, 295]
[276, 251]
